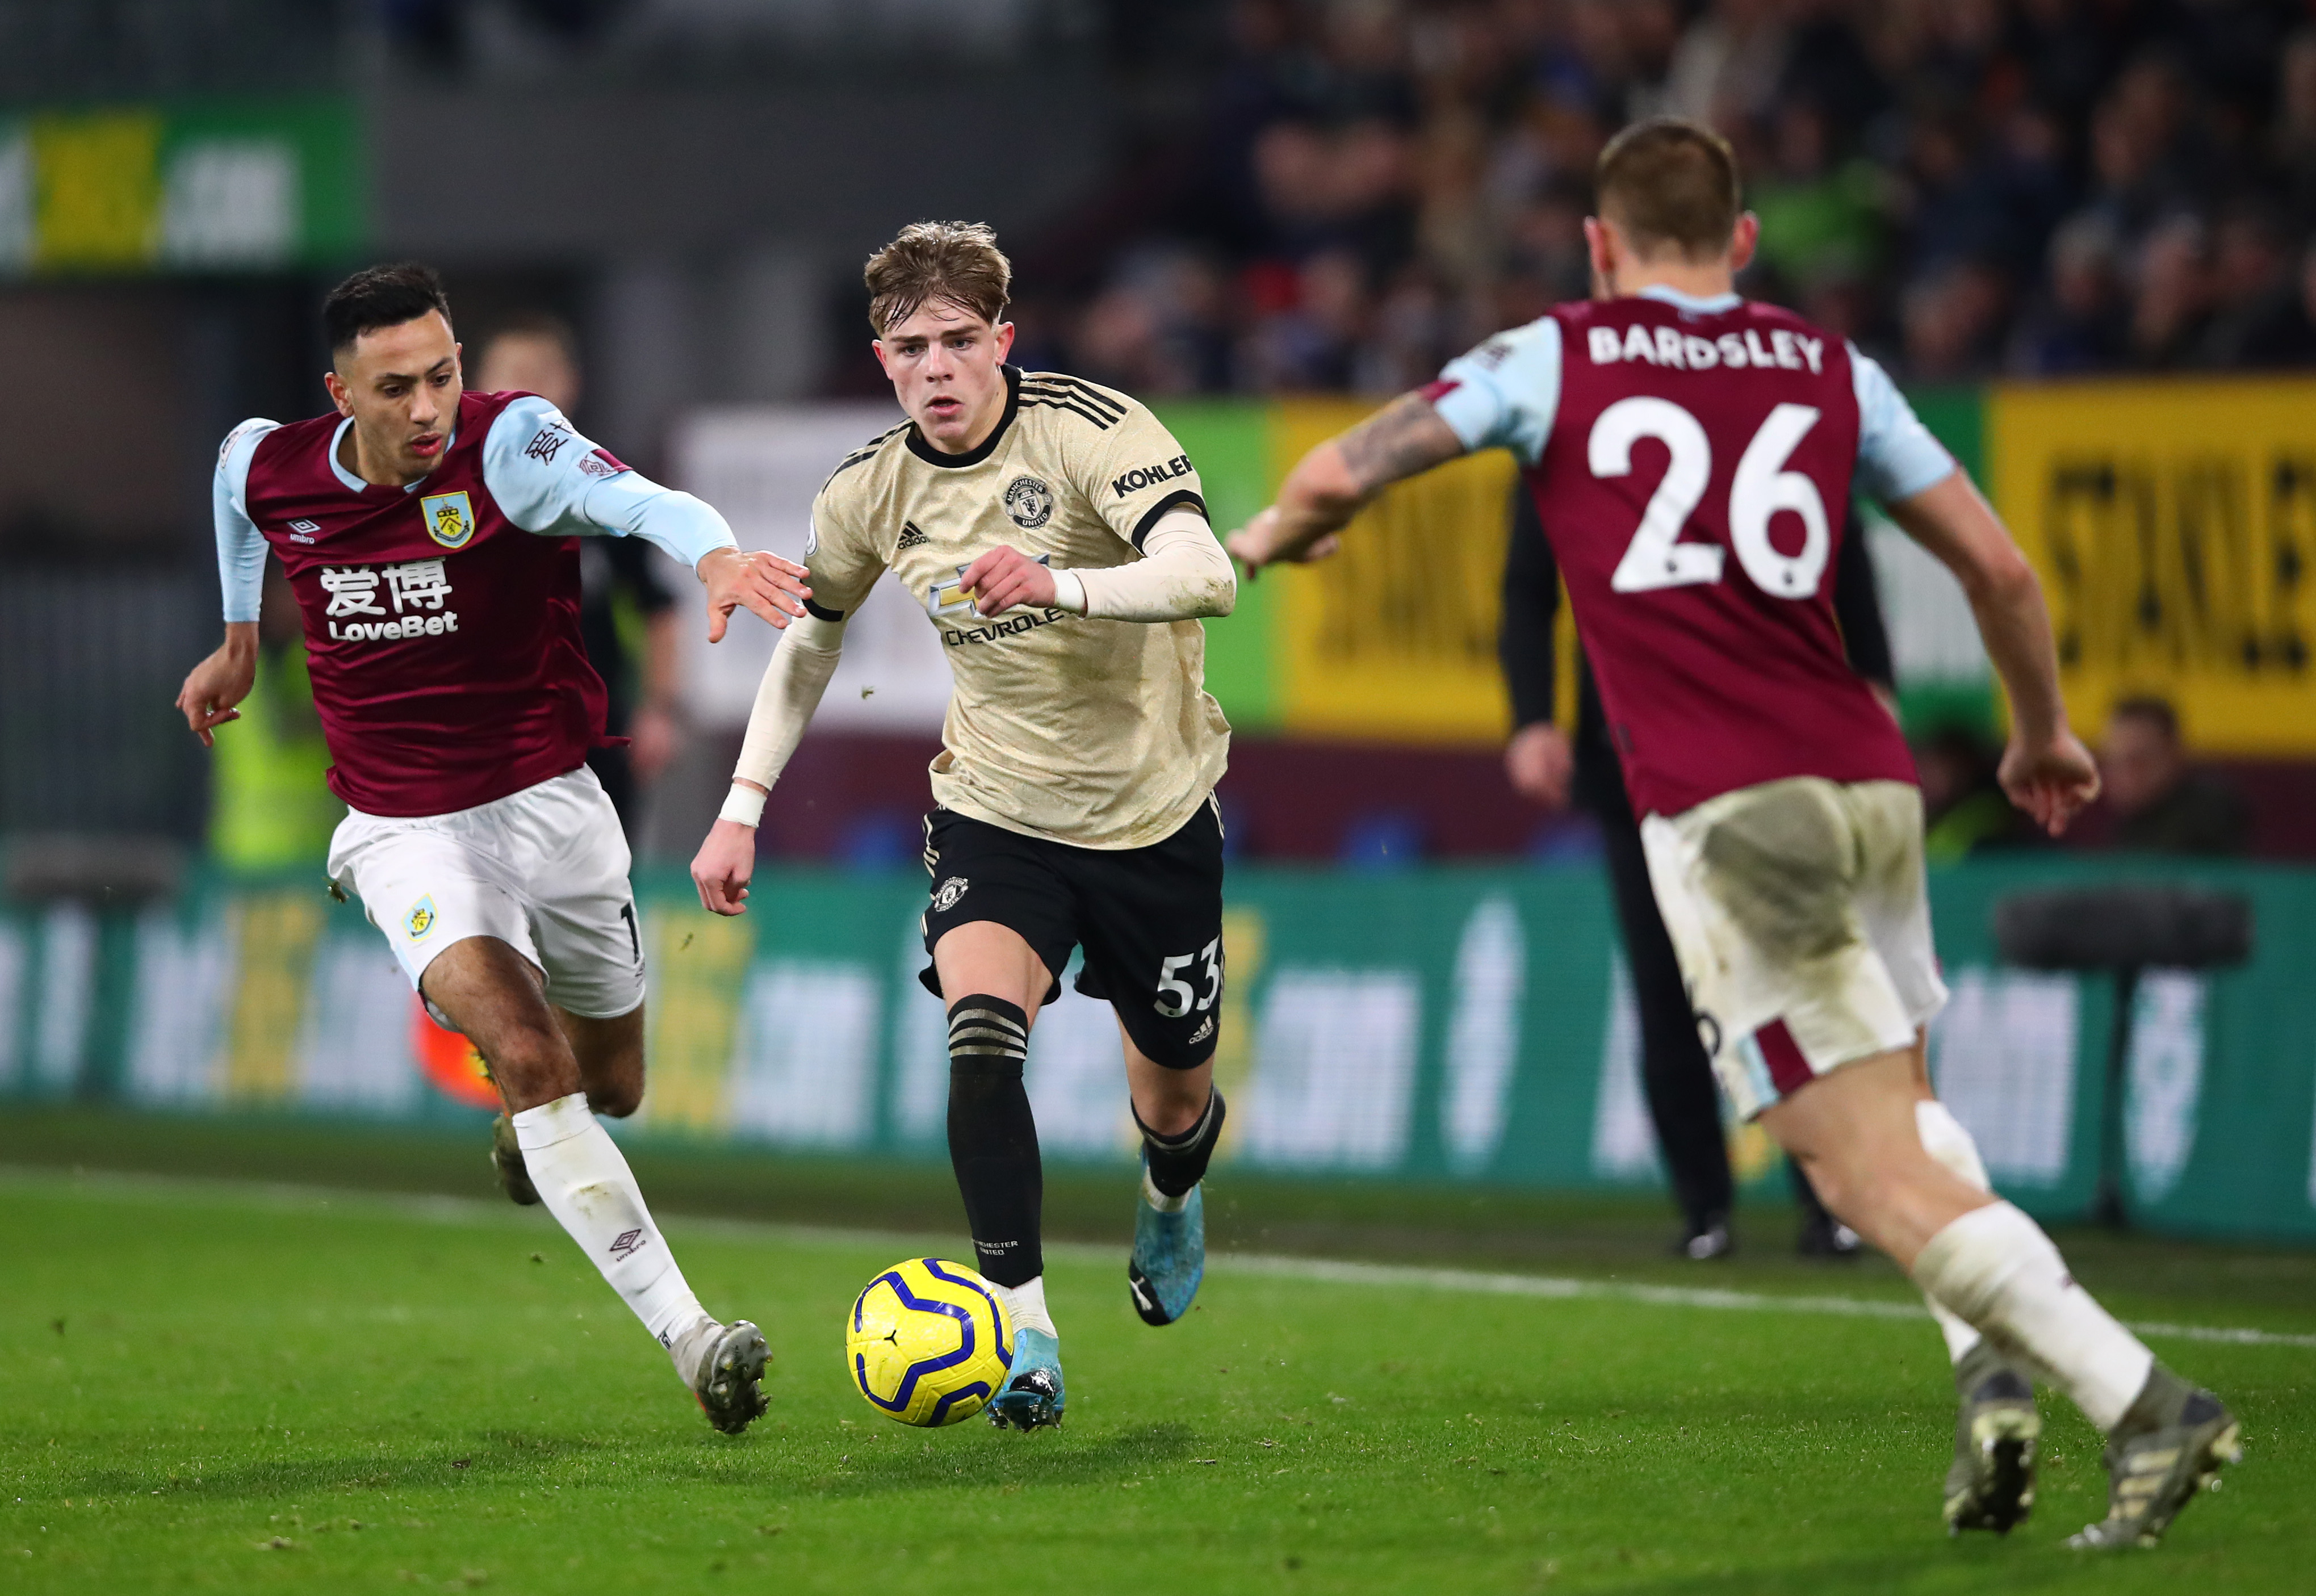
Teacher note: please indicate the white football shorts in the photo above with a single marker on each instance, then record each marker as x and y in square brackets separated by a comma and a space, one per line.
[1798, 911]
[544, 870]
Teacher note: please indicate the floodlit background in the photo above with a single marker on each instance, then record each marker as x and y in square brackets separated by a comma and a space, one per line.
[2079, 233]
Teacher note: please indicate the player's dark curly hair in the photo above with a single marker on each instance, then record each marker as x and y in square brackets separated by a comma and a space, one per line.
[1670, 184]
[959, 262]
[381, 296]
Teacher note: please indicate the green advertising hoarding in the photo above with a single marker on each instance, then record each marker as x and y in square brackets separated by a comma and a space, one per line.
[211, 186]
[1450, 1025]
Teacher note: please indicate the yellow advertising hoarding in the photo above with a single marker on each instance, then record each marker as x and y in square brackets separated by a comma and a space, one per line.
[1394, 639]
[2174, 527]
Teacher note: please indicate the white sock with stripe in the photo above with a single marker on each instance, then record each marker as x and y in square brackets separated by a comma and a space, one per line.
[585, 1183]
[1944, 1139]
[1995, 1267]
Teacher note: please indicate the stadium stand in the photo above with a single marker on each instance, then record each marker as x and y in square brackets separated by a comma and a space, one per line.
[1969, 188]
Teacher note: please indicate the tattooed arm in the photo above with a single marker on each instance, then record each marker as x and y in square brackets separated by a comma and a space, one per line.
[1334, 481]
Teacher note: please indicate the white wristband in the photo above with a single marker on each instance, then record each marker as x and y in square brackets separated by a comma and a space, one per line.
[743, 805]
[1069, 592]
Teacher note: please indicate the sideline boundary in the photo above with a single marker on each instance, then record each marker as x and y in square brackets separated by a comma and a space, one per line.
[476, 1212]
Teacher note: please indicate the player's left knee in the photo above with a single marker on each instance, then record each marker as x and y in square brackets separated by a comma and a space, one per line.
[615, 1099]
[1172, 1104]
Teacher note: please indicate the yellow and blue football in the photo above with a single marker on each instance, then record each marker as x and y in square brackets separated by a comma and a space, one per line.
[929, 1342]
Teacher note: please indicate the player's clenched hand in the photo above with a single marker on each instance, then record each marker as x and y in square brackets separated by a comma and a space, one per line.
[1004, 578]
[1264, 541]
[1539, 764]
[722, 866]
[2054, 779]
[220, 682]
[772, 587]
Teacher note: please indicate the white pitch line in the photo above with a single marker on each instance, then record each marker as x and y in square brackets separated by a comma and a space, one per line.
[1333, 1271]
[1404, 1277]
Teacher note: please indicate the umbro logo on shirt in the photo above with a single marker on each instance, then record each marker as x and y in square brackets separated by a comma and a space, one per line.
[913, 536]
[302, 531]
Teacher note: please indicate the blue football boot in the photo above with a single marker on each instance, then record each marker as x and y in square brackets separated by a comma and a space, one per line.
[1169, 1256]
[1033, 1394]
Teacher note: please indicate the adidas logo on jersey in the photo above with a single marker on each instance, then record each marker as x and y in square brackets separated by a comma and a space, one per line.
[1205, 1029]
[913, 536]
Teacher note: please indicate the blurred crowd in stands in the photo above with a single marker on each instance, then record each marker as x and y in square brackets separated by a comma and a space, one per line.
[2155, 797]
[1968, 188]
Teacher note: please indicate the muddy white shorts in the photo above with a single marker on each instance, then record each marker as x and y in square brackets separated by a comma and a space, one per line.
[544, 870]
[1798, 913]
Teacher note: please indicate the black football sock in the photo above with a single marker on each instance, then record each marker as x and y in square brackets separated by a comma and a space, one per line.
[1178, 1162]
[992, 1139]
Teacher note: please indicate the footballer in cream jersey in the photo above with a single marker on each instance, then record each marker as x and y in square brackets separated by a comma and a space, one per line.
[1094, 732]
[1053, 531]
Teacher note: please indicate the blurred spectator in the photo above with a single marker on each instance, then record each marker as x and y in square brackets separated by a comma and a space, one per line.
[1963, 806]
[2254, 290]
[2292, 147]
[1310, 337]
[2175, 294]
[1726, 66]
[270, 805]
[1964, 186]
[627, 617]
[2077, 322]
[2290, 339]
[2161, 804]
[1819, 217]
[1953, 320]
[2173, 298]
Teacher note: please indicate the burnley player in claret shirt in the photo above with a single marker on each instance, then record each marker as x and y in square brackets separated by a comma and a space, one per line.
[431, 535]
[1691, 456]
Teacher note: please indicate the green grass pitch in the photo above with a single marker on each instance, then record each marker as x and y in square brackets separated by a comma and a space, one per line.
[205, 1386]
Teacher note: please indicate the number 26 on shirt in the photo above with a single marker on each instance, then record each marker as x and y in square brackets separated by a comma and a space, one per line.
[1656, 556]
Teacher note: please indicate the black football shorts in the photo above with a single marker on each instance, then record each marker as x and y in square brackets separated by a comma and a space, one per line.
[1149, 919]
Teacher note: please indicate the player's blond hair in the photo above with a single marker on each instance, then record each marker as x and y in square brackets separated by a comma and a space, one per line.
[1672, 185]
[957, 262]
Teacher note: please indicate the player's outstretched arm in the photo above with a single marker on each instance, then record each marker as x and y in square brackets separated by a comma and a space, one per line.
[2047, 770]
[550, 480]
[791, 691]
[219, 683]
[773, 589]
[214, 687]
[1331, 484]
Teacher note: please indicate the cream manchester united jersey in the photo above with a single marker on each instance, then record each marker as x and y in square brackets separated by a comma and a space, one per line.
[1095, 733]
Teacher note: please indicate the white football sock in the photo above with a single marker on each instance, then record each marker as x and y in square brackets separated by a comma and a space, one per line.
[1944, 1139]
[585, 1183]
[1027, 1304]
[1995, 1267]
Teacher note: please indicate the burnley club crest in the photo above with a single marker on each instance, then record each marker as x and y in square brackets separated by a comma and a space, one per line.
[450, 519]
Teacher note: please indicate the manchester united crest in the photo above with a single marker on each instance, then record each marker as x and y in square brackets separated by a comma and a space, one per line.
[450, 519]
[1029, 502]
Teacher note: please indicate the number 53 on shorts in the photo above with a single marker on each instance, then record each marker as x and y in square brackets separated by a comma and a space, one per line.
[1176, 997]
